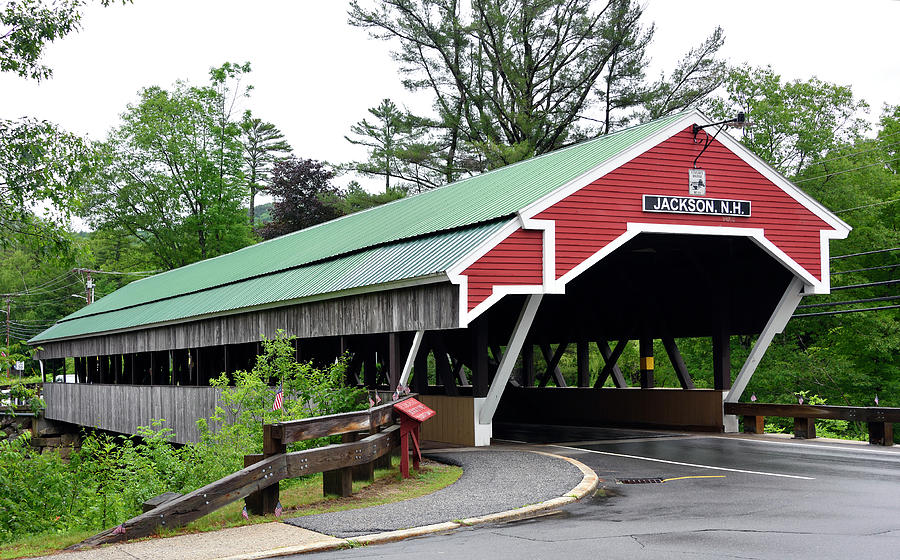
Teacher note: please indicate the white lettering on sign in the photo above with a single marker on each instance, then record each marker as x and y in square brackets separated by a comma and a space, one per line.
[691, 205]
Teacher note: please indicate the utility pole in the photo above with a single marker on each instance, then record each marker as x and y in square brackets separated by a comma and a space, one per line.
[88, 283]
[89, 287]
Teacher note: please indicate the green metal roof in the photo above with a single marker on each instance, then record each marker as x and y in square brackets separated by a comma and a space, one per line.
[419, 235]
[400, 261]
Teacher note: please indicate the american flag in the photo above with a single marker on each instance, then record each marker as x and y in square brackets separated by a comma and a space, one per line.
[278, 509]
[753, 397]
[120, 530]
[377, 398]
[876, 399]
[244, 513]
[279, 399]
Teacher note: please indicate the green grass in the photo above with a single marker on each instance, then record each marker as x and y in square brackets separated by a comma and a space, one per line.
[299, 497]
[7, 381]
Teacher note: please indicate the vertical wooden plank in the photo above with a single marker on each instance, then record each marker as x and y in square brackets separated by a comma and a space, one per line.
[479, 351]
[721, 360]
[583, 352]
[395, 360]
[528, 365]
[646, 365]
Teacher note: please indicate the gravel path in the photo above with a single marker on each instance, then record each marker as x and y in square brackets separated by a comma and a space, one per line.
[492, 481]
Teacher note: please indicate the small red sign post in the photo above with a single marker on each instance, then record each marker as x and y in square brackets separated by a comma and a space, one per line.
[412, 414]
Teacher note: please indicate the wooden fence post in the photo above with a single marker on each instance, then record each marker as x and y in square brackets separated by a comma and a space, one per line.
[881, 433]
[805, 428]
[754, 424]
[264, 501]
[339, 481]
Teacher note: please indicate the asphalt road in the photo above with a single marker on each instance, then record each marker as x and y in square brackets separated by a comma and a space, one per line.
[742, 499]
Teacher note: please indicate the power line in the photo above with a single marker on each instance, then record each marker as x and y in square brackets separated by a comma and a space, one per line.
[835, 158]
[866, 269]
[867, 285]
[885, 162]
[867, 205]
[140, 273]
[845, 311]
[832, 304]
[847, 256]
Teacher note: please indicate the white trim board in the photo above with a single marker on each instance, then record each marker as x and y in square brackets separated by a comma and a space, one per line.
[550, 285]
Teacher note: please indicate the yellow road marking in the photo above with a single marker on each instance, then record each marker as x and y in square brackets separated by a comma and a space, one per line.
[684, 477]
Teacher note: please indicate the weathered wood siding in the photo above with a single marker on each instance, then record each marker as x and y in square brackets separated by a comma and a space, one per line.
[431, 307]
[122, 408]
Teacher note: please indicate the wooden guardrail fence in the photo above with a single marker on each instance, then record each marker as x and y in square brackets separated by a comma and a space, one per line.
[880, 420]
[258, 481]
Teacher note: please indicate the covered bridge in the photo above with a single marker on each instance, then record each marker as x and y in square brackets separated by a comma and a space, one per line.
[452, 291]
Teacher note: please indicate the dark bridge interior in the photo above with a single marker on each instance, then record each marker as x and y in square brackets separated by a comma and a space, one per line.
[659, 285]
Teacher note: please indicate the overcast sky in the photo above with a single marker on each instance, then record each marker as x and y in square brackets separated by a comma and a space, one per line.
[315, 75]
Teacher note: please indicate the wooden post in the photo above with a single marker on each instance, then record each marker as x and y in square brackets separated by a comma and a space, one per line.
[721, 360]
[583, 352]
[395, 360]
[805, 428]
[754, 424]
[443, 375]
[366, 471]
[254, 501]
[104, 369]
[92, 369]
[479, 349]
[420, 367]
[646, 347]
[268, 497]
[339, 482]
[528, 365]
[881, 433]
[370, 373]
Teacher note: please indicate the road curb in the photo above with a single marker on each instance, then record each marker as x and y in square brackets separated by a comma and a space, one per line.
[588, 484]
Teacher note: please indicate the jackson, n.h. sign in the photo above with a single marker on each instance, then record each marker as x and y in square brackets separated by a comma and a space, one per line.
[694, 205]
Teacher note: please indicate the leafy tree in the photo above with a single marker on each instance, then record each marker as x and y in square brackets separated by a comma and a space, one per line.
[42, 169]
[695, 76]
[793, 122]
[304, 196]
[263, 143]
[173, 174]
[26, 26]
[398, 147]
[513, 78]
[42, 173]
[355, 198]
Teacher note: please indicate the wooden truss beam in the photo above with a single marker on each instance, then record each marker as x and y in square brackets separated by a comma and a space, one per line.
[684, 377]
[611, 367]
[553, 364]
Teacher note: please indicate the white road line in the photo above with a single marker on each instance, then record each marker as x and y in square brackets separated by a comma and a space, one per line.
[683, 464]
[848, 447]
